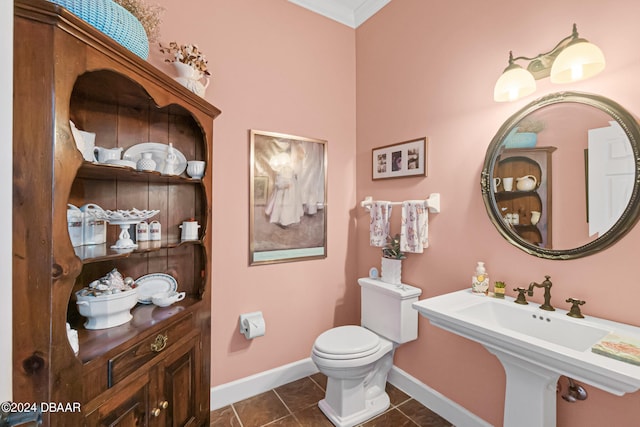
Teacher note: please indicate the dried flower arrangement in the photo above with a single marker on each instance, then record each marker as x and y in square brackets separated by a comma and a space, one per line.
[148, 15]
[187, 54]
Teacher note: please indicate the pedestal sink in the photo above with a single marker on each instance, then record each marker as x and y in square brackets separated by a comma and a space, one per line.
[535, 347]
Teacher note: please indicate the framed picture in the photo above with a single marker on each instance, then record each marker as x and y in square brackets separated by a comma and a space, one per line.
[287, 198]
[400, 160]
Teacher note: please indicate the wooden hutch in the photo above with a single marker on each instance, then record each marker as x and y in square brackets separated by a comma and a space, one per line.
[64, 69]
[519, 162]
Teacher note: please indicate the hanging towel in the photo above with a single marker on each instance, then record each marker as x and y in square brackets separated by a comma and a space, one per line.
[379, 225]
[414, 235]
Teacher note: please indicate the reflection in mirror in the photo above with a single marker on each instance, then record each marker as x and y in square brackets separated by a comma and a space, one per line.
[559, 179]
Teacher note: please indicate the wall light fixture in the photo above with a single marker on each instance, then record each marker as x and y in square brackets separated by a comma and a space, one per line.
[572, 59]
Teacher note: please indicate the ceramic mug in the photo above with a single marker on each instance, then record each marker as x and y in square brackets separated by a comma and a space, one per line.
[496, 182]
[189, 230]
[507, 183]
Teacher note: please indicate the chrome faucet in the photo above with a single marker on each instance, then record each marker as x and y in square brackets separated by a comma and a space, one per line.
[547, 292]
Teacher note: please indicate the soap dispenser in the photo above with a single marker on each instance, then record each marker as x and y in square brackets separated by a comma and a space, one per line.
[480, 280]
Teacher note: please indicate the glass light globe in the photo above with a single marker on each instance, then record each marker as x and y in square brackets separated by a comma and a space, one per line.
[514, 83]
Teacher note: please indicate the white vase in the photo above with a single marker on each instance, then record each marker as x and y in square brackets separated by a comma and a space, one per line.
[191, 78]
[146, 162]
[391, 271]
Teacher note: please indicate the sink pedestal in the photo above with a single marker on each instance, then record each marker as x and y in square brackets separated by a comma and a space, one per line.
[530, 396]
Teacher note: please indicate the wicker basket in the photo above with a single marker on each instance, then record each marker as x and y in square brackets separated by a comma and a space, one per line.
[113, 20]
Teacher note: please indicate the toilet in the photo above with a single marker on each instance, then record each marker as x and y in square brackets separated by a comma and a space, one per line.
[357, 359]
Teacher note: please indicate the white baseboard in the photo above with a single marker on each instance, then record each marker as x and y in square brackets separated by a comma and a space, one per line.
[437, 402]
[244, 388]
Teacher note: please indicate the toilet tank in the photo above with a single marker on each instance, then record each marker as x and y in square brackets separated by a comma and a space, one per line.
[387, 311]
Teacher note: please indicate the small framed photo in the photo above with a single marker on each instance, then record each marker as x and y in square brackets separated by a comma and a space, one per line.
[400, 160]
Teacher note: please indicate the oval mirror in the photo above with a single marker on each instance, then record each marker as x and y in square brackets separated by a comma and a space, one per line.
[561, 177]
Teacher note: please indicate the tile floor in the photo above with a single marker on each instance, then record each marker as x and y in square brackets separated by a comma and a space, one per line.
[296, 404]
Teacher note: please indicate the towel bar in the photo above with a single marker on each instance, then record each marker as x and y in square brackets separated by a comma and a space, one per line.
[432, 203]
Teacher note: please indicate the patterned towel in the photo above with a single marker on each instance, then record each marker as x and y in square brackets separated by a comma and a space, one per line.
[379, 225]
[414, 227]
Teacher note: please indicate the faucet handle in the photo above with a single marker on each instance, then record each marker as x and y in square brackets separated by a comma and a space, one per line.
[521, 299]
[575, 308]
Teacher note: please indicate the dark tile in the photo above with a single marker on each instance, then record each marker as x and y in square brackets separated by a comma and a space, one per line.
[261, 409]
[224, 417]
[312, 417]
[422, 415]
[300, 394]
[288, 421]
[396, 395]
[320, 379]
[392, 417]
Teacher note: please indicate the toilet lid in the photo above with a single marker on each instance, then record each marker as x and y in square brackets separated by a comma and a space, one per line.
[347, 342]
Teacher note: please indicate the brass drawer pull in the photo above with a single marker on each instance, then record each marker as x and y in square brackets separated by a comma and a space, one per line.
[157, 411]
[160, 343]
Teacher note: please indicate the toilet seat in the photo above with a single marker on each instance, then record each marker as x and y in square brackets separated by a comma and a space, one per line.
[346, 342]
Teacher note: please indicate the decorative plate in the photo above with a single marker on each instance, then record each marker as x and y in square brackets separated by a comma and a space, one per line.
[122, 216]
[119, 162]
[158, 154]
[154, 283]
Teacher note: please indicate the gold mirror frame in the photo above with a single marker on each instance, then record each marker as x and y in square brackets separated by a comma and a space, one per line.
[629, 216]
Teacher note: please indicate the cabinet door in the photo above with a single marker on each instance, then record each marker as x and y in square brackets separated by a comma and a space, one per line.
[128, 408]
[181, 390]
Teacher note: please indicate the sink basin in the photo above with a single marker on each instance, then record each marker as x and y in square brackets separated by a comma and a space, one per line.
[535, 347]
[537, 323]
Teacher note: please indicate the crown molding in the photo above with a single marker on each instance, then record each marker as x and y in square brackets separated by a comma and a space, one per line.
[348, 12]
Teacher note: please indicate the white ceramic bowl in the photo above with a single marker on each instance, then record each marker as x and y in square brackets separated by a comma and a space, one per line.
[195, 168]
[106, 311]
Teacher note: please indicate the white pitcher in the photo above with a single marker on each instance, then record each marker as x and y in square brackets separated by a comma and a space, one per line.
[526, 183]
[105, 154]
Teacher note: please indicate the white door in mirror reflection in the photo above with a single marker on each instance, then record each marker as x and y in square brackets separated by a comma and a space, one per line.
[611, 176]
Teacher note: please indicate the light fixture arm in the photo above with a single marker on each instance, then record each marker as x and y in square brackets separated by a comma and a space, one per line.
[561, 43]
[540, 65]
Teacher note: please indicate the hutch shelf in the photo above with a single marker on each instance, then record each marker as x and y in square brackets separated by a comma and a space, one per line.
[520, 162]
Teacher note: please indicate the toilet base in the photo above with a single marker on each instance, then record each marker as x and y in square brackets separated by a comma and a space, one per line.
[373, 407]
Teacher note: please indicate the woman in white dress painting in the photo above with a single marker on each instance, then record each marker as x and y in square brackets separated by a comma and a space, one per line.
[284, 207]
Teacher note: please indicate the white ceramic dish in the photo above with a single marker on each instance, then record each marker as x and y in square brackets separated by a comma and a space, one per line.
[158, 154]
[106, 311]
[152, 284]
[119, 162]
[165, 299]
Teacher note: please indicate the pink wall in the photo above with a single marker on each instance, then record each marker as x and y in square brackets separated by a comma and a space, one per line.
[423, 69]
[276, 67]
[428, 68]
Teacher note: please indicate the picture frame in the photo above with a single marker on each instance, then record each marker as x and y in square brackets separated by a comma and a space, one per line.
[400, 160]
[287, 198]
